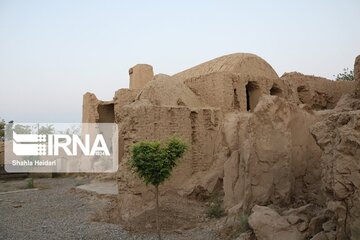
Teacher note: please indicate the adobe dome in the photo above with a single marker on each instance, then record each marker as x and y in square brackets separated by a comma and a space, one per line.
[238, 63]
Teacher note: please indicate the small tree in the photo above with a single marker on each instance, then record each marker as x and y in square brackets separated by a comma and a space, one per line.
[2, 129]
[48, 129]
[347, 75]
[154, 162]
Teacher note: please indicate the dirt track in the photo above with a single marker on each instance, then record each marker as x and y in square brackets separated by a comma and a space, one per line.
[57, 211]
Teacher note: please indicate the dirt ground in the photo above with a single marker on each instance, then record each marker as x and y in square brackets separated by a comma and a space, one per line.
[176, 215]
[56, 209]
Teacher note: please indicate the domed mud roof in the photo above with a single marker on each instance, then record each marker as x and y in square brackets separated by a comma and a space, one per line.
[238, 63]
[167, 91]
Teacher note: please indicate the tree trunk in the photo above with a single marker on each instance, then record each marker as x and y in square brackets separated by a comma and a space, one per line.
[157, 211]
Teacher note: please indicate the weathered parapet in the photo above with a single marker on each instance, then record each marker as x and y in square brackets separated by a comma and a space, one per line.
[238, 91]
[140, 74]
[318, 93]
[89, 108]
[96, 111]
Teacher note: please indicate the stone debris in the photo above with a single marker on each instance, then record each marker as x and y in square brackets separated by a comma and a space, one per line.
[268, 224]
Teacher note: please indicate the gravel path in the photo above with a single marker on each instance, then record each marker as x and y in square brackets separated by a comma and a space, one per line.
[57, 212]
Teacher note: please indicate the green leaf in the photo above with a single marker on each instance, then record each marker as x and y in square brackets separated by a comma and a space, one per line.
[152, 162]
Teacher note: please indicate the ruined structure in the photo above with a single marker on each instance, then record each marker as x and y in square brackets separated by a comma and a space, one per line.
[255, 137]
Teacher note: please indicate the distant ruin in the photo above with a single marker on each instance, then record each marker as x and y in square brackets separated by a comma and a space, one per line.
[249, 130]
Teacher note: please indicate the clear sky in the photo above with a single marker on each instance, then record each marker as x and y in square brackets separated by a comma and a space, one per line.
[51, 52]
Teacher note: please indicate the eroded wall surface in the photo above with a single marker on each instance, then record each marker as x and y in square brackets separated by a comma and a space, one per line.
[273, 158]
[200, 128]
[338, 135]
[318, 93]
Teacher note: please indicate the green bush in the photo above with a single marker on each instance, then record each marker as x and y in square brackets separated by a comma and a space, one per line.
[346, 75]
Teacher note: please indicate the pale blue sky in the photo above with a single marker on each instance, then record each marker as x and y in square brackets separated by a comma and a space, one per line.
[51, 52]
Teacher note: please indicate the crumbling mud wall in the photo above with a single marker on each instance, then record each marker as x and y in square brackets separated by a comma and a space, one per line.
[96, 111]
[338, 135]
[273, 158]
[236, 81]
[123, 97]
[318, 93]
[200, 128]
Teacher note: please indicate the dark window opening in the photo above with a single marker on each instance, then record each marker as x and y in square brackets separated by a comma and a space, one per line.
[106, 113]
[276, 90]
[252, 95]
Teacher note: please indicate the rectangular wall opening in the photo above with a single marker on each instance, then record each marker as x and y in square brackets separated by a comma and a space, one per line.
[252, 95]
[106, 113]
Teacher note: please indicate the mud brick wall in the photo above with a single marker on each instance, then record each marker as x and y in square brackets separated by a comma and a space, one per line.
[215, 89]
[231, 92]
[200, 128]
[319, 93]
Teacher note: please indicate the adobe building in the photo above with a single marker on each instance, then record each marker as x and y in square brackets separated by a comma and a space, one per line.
[230, 83]
[248, 129]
